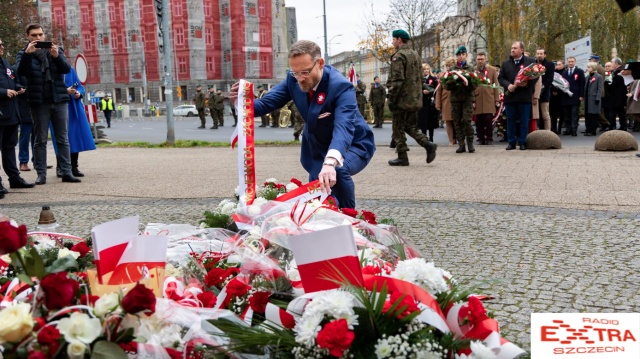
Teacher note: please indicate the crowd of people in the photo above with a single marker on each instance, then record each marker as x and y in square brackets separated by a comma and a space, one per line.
[41, 92]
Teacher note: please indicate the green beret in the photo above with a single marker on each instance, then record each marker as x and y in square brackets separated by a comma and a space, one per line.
[199, 85]
[401, 34]
[460, 50]
[260, 86]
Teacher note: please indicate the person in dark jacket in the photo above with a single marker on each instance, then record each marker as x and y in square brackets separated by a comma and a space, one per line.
[616, 93]
[555, 103]
[518, 97]
[571, 104]
[26, 140]
[9, 120]
[48, 97]
[544, 122]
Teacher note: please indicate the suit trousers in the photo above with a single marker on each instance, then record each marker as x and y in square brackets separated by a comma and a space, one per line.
[484, 127]
[8, 142]
[545, 116]
[58, 114]
[622, 115]
[517, 111]
[344, 189]
[571, 119]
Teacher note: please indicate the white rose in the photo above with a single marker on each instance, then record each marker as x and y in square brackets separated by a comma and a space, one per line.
[80, 327]
[271, 180]
[16, 323]
[76, 350]
[67, 252]
[291, 186]
[106, 304]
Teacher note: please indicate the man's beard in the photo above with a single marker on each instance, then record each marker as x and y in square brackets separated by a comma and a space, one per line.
[306, 87]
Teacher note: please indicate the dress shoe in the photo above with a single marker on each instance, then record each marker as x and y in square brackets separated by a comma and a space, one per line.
[574, 134]
[76, 172]
[431, 151]
[20, 183]
[2, 189]
[604, 129]
[222, 125]
[24, 167]
[511, 147]
[589, 134]
[1, 195]
[70, 178]
[49, 167]
[461, 149]
[41, 180]
[566, 133]
[489, 143]
[523, 147]
[263, 125]
[399, 162]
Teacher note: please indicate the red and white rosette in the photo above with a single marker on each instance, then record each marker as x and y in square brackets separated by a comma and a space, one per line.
[243, 136]
[478, 326]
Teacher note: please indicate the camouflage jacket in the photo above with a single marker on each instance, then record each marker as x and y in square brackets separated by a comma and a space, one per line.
[405, 80]
[200, 99]
[360, 90]
[377, 95]
[218, 102]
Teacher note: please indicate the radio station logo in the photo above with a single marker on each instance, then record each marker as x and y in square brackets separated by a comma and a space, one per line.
[585, 335]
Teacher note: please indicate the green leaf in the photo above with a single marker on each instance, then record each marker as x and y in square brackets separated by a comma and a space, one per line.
[25, 278]
[107, 350]
[37, 269]
[62, 264]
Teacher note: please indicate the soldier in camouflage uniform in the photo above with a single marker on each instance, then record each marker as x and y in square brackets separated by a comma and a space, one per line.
[218, 109]
[297, 119]
[275, 118]
[260, 94]
[377, 96]
[361, 88]
[210, 103]
[462, 101]
[405, 98]
[201, 100]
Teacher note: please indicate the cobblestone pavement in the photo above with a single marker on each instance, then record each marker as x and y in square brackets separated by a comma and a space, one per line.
[484, 217]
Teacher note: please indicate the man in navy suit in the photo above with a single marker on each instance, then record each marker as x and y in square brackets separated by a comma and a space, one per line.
[571, 104]
[337, 143]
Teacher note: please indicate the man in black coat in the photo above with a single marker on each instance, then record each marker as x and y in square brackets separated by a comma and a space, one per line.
[571, 104]
[544, 122]
[555, 103]
[616, 92]
[48, 96]
[9, 120]
[518, 97]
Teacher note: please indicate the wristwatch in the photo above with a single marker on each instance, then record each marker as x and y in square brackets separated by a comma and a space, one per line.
[329, 163]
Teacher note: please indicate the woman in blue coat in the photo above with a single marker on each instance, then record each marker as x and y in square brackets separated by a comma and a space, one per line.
[80, 137]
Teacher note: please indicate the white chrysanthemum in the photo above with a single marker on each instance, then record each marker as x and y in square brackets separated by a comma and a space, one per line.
[291, 186]
[419, 272]
[334, 303]
[307, 329]
[383, 349]
[271, 180]
[488, 81]
[64, 252]
[455, 77]
[293, 274]
[236, 191]
[481, 351]
[171, 271]
[227, 207]
[44, 244]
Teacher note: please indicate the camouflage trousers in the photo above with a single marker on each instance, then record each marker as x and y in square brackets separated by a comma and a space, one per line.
[298, 125]
[203, 119]
[378, 114]
[217, 116]
[361, 106]
[461, 114]
[406, 122]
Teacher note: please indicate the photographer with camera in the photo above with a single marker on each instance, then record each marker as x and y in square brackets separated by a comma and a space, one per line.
[44, 65]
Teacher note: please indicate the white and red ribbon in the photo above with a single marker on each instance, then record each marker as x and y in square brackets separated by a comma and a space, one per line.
[243, 136]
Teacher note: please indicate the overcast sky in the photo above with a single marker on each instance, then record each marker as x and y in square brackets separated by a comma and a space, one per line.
[344, 17]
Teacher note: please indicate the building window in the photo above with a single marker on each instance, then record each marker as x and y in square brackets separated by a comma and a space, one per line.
[58, 18]
[177, 8]
[264, 63]
[208, 36]
[112, 14]
[262, 11]
[263, 36]
[85, 15]
[182, 65]
[210, 64]
[87, 42]
[179, 36]
[207, 10]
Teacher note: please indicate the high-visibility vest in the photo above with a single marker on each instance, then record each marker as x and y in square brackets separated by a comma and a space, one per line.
[104, 104]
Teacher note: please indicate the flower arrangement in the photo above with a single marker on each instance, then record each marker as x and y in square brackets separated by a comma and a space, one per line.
[530, 72]
[561, 84]
[462, 79]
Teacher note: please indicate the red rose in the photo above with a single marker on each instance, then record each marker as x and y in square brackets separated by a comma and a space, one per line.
[349, 212]
[336, 337]
[406, 300]
[297, 182]
[372, 270]
[90, 299]
[233, 271]
[369, 217]
[215, 277]
[81, 248]
[236, 288]
[207, 299]
[139, 299]
[36, 355]
[48, 335]
[258, 301]
[59, 291]
[12, 238]
[477, 313]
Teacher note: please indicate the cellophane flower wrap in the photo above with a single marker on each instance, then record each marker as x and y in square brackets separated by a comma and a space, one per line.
[530, 72]
[561, 84]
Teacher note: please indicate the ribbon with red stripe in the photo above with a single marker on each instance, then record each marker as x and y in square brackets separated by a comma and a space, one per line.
[279, 316]
[243, 136]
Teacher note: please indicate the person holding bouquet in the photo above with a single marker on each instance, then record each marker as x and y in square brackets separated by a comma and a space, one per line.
[518, 95]
[487, 100]
[571, 103]
[592, 94]
[462, 103]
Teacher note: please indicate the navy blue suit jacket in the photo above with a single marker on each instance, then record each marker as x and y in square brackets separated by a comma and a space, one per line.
[344, 129]
[576, 86]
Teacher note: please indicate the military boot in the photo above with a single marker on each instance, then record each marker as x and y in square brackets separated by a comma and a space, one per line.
[470, 145]
[461, 148]
[431, 151]
[402, 160]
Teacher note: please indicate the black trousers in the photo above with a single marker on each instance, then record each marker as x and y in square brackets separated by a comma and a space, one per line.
[8, 143]
[622, 115]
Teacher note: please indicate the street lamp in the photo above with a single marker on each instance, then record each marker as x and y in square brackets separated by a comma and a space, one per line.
[329, 42]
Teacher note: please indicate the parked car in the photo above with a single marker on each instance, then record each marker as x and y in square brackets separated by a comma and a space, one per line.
[185, 110]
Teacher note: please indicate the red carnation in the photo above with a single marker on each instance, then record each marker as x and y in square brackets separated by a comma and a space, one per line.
[233, 271]
[477, 313]
[296, 182]
[336, 337]
[12, 238]
[81, 248]
[406, 300]
[258, 301]
[48, 335]
[350, 212]
[236, 288]
[59, 291]
[369, 217]
[215, 277]
[372, 270]
[207, 299]
[139, 299]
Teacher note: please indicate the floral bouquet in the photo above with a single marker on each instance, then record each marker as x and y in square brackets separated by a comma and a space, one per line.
[608, 77]
[462, 79]
[561, 84]
[531, 72]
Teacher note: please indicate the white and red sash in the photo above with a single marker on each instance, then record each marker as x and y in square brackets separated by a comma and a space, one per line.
[243, 136]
